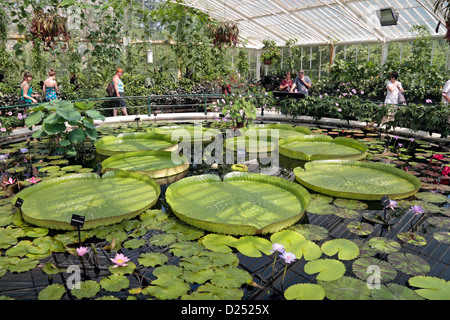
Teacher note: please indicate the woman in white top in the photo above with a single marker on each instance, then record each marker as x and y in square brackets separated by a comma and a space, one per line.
[393, 86]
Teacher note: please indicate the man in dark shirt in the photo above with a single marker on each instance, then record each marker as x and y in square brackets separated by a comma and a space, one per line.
[302, 83]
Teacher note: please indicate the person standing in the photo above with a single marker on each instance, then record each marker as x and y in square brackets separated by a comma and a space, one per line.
[302, 83]
[446, 93]
[393, 87]
[118, 86]
[286, 83]
[50, 86]
[26, 92]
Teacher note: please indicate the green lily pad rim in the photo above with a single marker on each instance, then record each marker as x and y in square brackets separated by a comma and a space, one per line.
[360, 148]
[365, 164]
[158, 173]
[232, 229]
[100, 143]
[59, 225]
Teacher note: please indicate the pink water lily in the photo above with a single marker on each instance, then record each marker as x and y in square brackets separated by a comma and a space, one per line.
[10, 181]
[438, 156]
[33, 180]
[417, 209]
[120, 260]
[81, 251]
[445, 171]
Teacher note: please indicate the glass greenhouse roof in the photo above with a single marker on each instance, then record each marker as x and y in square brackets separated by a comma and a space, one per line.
[322, 22]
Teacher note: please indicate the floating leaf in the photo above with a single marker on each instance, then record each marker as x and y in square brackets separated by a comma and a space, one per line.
[364, 268]
[384, 245]
[167, 288]
[87, 289]
[209, 291]
[360, 228]
[196, 263]
[346, 249]
[114, 283]
[443, 237]
[412, 238]
[219, 243]
[252, 246]
[134, 243]
[345, 213]
[320, 208]
[221, 259]
[168, 271]
[24, 265]
[327, 269]
[198, 276]
[439, 222]
[152, 259]
[350, 204]
[310, 231]
[186, 248]
[346, 288]
[304, 291]
[432, 288]
[163, 239]
[229, 277]
[52, 292]
[431, 197]
[393, 291]
[409, 263]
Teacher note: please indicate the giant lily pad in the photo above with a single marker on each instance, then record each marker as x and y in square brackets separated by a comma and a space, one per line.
[106, 200]
[241, 204]
[357, 180]
[158, 165]
[283, 130]
[109, 145]
[185, 133]
[310, 148]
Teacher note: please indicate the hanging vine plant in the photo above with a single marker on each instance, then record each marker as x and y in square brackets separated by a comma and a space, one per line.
[49, 27]
[224, 33]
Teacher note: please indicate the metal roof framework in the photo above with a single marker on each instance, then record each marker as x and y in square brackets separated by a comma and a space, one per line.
[322, 22]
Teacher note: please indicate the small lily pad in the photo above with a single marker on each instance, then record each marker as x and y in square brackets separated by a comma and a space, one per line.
[310, 231]
[87, 289]
[115, 282]
[252, 246]
[346, 288]
[412, 238]
[384, 245]
[167, 288]
[432, 288]
[439, 222]
[219, 243]
[364, 268]
[305, 291]
[393, 291]
[350, 204]
[327, 269]
[52, 292]
[442, 236]
[346, 249]
[152, 259]
[431, 197]
[409, 263]
[229, 277]
[360, 228]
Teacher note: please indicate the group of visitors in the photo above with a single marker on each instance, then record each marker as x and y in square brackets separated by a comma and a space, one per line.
[50, 89]
[301, 83]
[394, 87]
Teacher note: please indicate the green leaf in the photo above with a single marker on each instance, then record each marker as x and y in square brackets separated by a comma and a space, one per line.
[229, 277]
[88, 289]
[432, 288]
[327, 269]
[77, 135]
[69, 115]
[219, 243]
[167, 288]
[114, 283]
[34, 118]
[305, 291]
[346, 249]
[54, 128]
[253, 246]
[346, 288]
[95, 115]
[393, 291]
[152, 259]
[52, 292]
[408, 263]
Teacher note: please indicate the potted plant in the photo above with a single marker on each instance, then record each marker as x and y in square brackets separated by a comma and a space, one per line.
[271, 53]
[224, 33]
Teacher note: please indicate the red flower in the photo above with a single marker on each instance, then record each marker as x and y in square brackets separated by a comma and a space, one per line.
[445, 171]
[438, 156]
